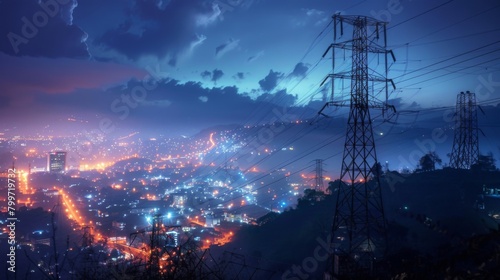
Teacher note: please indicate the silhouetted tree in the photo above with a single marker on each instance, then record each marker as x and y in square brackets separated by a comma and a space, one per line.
[428, 161]
[269, 217]
[485, 163]
[310, 197]
[331, 187]
[377, 169]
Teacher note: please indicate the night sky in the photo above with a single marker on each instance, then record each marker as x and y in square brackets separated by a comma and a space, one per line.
[67, 63]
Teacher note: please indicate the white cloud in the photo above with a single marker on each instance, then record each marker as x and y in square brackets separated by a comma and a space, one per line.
[314, 12]
[199, 40]
[203, 99]
[205, 20]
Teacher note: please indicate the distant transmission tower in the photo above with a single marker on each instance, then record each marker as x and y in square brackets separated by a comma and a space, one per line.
[88, 262]
[87, 238]
[318, 179]
[153, 264]
[359, 234]
[465, 150]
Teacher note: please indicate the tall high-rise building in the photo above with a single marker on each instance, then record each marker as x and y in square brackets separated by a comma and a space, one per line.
[56, 162]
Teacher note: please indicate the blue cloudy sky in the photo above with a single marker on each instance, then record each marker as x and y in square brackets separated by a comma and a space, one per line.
[219, 61]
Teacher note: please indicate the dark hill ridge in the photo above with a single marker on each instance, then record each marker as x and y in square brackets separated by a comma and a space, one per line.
[430, 214]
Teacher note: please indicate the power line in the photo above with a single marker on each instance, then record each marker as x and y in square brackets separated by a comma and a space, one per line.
[421, 14]
[450, 58]
[446, 74]
[456, 23]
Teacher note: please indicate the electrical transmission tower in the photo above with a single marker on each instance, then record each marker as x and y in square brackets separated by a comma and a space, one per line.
[155, 246]
[88, 262]
[465, 150]
[318, 179]
[359, 237]
[87, 238]
[157, 267]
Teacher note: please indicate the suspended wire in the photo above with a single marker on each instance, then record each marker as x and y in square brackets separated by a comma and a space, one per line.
[407, 45]
[316, 148]
[313, 44]
[357, 4]
[448, 59]
[446, 74]
[309, 49]
[421, 14]
[278, 167]
[454, 24]
[457, 71]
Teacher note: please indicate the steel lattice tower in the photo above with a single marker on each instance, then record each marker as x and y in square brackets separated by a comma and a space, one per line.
[465, 151]
[318, 179]
[153, 264]
[87, 238]
[359, 237]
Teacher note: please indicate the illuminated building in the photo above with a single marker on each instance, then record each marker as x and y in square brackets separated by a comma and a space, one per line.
[179, 200]
[56, 162]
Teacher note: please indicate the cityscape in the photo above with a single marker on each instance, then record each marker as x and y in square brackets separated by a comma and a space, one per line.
[209, 139]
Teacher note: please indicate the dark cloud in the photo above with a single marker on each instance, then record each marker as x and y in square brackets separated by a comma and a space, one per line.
[28, 28]
[216, 75]
[239, 76]
[206, 74]
[400, 103]
[280, 97]
[225, 104]
[161, 28]
[255, 57]
[23, 76]
[300, 70]
[228, 46]
[270, 81]
[190, 105]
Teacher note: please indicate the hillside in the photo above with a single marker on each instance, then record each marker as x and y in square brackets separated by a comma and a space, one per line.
[430, 214]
